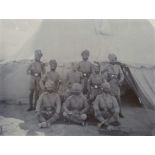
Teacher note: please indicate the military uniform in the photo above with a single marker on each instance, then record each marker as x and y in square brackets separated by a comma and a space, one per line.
[95, 82]
[36, 71]
[48, 107]
[115, 77]
[106, 107]
[75, 107]
[73, 77]
[51, 75]
[85, 67]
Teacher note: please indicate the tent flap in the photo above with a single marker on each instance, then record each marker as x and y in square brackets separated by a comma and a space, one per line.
[142, 80]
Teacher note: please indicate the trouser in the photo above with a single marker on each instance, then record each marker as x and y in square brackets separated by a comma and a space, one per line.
[75, 118]
[118, 98]
[45, 116]
[84, 83]
[110, 117]
[93, 93]
[34, 92]
[115, 90]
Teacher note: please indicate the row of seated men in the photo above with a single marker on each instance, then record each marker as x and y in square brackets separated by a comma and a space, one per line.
[91, 84]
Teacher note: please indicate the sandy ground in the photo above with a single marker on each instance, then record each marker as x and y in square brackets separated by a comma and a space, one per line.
[17, 121]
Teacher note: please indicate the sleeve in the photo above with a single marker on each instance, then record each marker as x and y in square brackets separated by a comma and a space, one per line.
[121, 75]
[67, 79]
[86, 106]
[96, 104]
[43, 68]
[58, 81]
[58, 77]
[42, 81]
[80, 77]
[89, 82]
[78, 66]
[91, 67]
[29, 69]
[66, 105]
[104, 72]
[90, 79]
[39, 103]
[115, 105]
[58, 105]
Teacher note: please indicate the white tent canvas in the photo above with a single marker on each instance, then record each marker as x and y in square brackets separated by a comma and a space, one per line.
[131, 40]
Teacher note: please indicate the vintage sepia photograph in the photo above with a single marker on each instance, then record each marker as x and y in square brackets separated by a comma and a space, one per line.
[77, 77]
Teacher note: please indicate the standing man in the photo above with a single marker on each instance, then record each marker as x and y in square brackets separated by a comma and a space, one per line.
[85, 67]
[94, 82]
[51, 75]
[74, 76]
[106, 107]
[48, 106]
[36, 71]
[115, 77]
[75, 107]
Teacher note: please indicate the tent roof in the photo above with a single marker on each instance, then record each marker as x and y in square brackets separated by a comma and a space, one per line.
[131, 40]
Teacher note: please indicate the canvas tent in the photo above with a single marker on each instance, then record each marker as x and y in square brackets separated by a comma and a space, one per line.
[131, 40]
[141, 80]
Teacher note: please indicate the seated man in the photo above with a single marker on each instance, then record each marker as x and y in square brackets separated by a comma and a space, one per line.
[48, 106]
[75, 107]
[106, 108]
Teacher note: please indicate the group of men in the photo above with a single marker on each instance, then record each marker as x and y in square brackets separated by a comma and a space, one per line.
[88, 90]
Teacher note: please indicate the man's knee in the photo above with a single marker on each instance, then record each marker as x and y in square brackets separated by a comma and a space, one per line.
[40, 117]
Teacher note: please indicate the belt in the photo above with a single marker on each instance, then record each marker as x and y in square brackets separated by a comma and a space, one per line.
[95, 86]
[114, 76]
[36, 74]
[85, 74]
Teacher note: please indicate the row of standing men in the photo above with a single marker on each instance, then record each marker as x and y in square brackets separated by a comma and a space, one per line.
[88, 90]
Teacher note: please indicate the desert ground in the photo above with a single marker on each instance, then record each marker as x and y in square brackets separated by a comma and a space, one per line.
[16, 121]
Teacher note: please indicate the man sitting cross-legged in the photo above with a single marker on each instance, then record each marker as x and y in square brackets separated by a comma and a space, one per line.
[48, 106]
[106, 108]
[75, 107]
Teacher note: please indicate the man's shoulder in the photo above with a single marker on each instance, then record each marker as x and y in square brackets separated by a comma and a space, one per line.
[78, 73]
[32, 62]
[108, 65]
[88, 62]
[101, 97]
[56, 95]
[82, 61]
